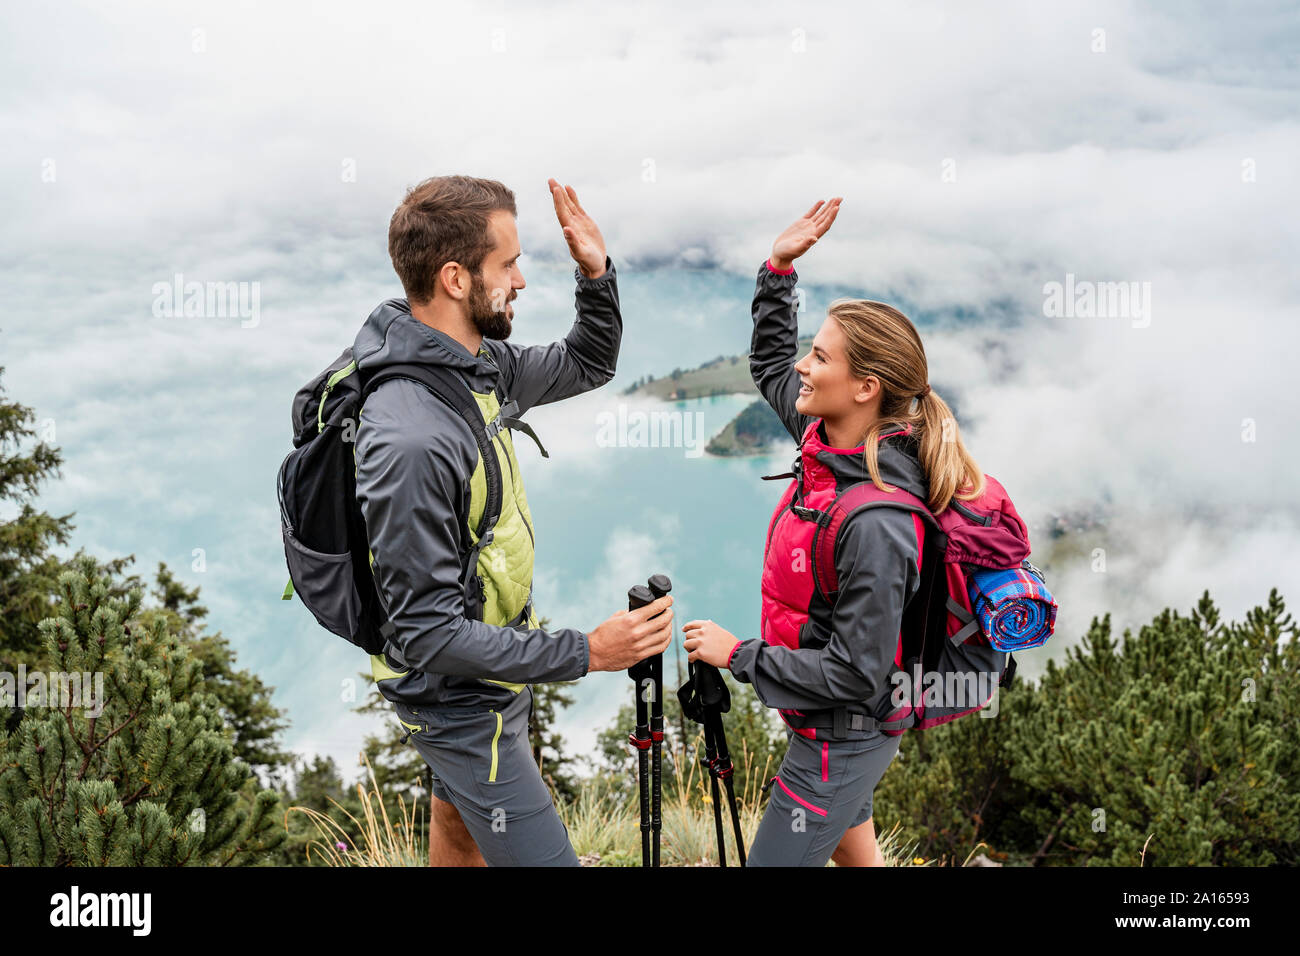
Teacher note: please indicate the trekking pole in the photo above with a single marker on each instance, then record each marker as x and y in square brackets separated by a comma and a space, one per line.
[722, 766]
[640, 672]
[710, 761]
[717, 700]
[704, 699]
[659, 586]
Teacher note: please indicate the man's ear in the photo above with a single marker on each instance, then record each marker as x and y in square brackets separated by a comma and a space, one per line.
[454, 280]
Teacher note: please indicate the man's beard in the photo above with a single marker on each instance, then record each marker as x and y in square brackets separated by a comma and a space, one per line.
[491, 323]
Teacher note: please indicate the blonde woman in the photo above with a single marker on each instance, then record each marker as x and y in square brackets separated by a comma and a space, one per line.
[861, 407]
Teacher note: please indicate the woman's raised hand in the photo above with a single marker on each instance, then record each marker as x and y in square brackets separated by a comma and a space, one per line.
[806, 230]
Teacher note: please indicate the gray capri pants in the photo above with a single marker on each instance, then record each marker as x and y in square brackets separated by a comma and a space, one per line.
[483, 765]
[823, 789]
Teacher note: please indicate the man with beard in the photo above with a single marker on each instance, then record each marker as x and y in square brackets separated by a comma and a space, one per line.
[465, 643]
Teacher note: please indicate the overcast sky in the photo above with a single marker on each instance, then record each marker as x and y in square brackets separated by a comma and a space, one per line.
[983, 150]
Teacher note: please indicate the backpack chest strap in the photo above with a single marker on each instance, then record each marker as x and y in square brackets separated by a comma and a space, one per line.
[507, 417]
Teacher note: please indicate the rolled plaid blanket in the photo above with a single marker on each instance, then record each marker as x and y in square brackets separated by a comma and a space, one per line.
[1013, 607]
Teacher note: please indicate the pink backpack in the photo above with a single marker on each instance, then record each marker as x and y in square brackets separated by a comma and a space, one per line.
[945, 666]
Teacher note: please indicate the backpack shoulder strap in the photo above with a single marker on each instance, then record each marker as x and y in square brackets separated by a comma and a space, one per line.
[452, 390]
[855, 498]
[508, 416]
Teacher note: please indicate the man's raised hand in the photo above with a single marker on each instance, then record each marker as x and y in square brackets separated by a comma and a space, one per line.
[586, 244]
[806, 230]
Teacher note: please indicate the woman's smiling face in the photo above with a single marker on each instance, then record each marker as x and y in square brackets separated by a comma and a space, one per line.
[828, 384]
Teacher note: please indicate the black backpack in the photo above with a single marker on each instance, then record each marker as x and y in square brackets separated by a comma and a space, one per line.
[325, 542]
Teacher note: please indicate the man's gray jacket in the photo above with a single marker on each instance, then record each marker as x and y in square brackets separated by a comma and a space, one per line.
[415, 457]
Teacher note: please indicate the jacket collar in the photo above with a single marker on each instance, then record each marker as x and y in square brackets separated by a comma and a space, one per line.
[897, 457]
[391, 335]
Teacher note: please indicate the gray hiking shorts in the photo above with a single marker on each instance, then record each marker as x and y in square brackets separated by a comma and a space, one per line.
[823, 789]
[483, 765]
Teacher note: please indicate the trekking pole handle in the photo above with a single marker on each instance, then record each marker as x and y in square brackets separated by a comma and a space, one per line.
[659, 585]
[639, 596]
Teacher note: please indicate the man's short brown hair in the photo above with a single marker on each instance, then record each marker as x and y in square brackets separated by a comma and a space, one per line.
[443, 219]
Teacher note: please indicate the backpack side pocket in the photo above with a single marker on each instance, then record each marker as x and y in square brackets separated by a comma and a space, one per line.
[326, 584]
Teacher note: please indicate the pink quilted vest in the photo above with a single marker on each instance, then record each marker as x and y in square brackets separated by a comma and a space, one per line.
[787, 583]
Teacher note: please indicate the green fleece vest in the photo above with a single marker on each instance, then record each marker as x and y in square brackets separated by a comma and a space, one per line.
[506, 564]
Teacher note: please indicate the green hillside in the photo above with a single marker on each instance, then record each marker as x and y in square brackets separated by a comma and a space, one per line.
[724, 375]
[753, 432]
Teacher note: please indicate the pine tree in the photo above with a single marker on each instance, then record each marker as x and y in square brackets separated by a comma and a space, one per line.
[1172, 747]
[1185, 735]
[245, 701]
[145, 775]
[29, 574]
[28, 568]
